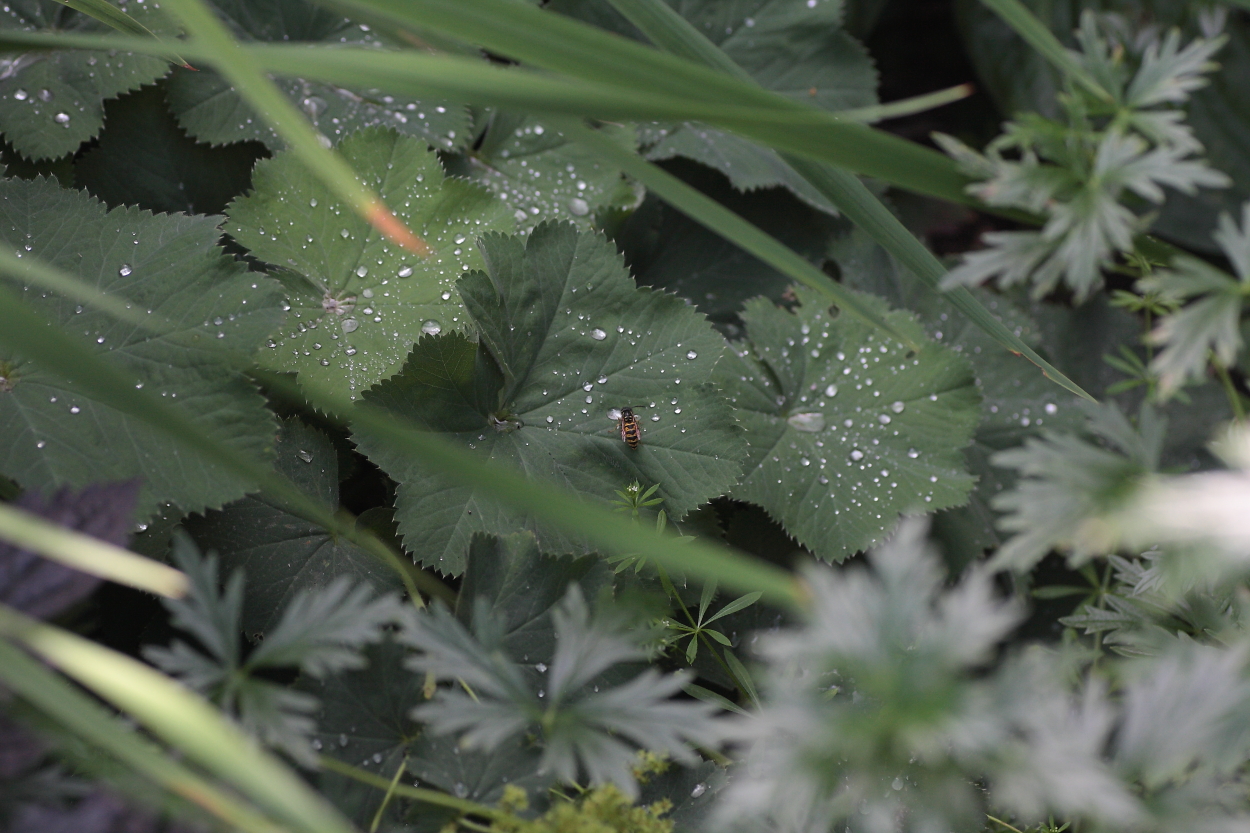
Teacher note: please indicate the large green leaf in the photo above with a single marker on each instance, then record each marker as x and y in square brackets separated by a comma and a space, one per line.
[1014, 405]
[51, 102]
[521, 585]
[206, 309]
[847, 429]
[358, 301]
[542, 176]
[566, 340]
[210, 110]
[144, 158]
[282, 554]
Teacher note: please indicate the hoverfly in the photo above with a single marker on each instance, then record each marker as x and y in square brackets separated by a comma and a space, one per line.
[628, 423]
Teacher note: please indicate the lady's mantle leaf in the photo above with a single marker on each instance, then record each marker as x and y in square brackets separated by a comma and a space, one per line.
[848, 430]
[566, 341]
[357, 300]
[51, 433]
[51, 102]
[211, 111]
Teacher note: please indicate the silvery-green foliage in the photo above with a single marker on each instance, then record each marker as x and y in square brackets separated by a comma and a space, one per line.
[874, 717]
[1091, 174]
[584, 719]
[1072, 487]
[1210, 321]
[320, 632]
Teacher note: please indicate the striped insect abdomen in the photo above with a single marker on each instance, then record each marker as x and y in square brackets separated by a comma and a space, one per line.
[629, 428]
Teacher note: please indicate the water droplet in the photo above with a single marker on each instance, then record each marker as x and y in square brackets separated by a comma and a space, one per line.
[831, 390]
[125, 270]
[349, 325]
[692, 355]
[811, 422]
[884, 419]
[312, 203]
[45, 94]
[1052, 408]
[306, 456]
[61, 118]
[541, 668]
[913, 453]
[856, 454]
[614, 413]
[551, 419]
[431, 327]
[897, 784]
[897, 407]
[446, 296]
[405, 271]
[361, 271]
[579, 207]
[460, 789]
[344, 233]
[598, 334]
[21, 95]
[75, 409]
[699, 789]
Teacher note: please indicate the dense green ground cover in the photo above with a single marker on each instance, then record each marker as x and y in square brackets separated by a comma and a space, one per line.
[624, 415]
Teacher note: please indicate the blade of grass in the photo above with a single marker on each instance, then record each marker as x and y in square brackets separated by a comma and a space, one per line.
[249, 79]
[908, 106]
[669, 30]
[553, 42]
[1036, 34]
[50, 694]
[546, 502]
[30, 270]
[110, 15]
[90, 555]
[778, 123]
[29, 334]
[182, 718]
[425, 796]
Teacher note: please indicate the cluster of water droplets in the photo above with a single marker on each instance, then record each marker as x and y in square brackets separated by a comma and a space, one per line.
[848, 436]
[543, 178]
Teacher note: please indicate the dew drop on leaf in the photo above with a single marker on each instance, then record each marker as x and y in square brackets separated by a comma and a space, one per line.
[913, 453]
[125, 270]
[598, 334]
[811, 422]
[699, 789]
[897, 407]
[431, 327]
[405, 271]
[692, 355]
[579, 207]
[306, 456]
[831, 390]
[857, 455]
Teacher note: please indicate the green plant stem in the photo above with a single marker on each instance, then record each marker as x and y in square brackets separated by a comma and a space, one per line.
[390, 791]
[415, 793]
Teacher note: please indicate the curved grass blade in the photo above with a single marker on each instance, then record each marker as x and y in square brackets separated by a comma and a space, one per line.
[50, 694]
[88, 554]
[183, 719]
[242, 70]
[658, 21]
[616, 534]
